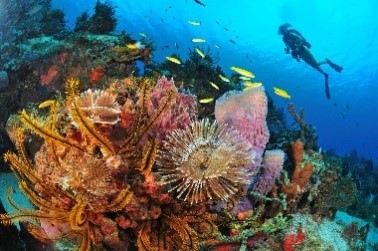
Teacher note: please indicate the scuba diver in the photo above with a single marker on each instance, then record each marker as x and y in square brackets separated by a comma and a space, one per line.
[299, 47]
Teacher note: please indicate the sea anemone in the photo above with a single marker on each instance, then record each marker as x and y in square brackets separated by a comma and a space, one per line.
[204, 162]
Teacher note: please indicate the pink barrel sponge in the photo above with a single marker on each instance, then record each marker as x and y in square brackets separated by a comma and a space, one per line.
[182, 111]
[273, 163]
[246, 112]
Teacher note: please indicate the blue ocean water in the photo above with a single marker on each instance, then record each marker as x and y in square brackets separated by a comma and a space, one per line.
[246, 33]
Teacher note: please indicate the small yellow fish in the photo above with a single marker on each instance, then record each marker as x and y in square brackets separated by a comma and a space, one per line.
[142, 34]
[173, 60]
[217, 46]
[249, 85]
[278, 90]
[247, 88]
[200, 53]
[214, 85]
[281, 93]
[195, 23]
[134, 46]
[252, 84]
[244, 78]
[224, 78]
[198, 40]
[206, 100]
[242, 72]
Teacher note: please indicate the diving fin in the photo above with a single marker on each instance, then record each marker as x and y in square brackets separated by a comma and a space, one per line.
[334, 66]
[328, 94]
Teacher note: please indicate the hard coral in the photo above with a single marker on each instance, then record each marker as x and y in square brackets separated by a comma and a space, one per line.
[204, 162]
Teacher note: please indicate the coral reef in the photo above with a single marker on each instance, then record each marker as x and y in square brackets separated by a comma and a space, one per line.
[129, 185]
[124, 163]
[69, 199]
[280, 132]
[4, 80]
[37, 67]
[360, 172]
[324, 235]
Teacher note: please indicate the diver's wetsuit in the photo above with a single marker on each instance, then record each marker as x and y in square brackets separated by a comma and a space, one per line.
[294, 42]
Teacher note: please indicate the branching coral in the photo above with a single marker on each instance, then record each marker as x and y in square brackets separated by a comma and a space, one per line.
[204, 162]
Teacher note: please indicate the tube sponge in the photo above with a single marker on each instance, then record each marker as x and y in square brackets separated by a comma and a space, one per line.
[273, 163]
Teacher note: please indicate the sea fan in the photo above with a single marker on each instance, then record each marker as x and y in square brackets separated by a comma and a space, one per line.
[204, 162]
